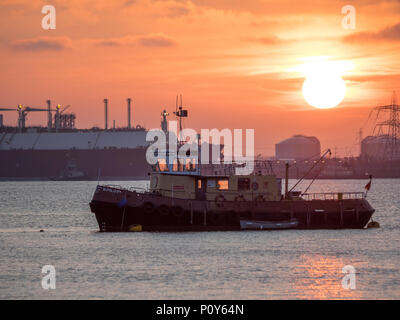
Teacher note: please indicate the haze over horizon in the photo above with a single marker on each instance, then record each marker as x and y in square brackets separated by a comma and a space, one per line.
[235, 63]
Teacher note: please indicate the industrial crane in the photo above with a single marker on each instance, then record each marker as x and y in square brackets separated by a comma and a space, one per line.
[22, 113]
[18, 108]
[61, 120]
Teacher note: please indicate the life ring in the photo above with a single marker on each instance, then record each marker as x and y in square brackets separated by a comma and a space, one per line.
[260, 198]
[163, 210]
[240, 198]
[219, 199]
[254, 186]
[148, 207]
[177, 211]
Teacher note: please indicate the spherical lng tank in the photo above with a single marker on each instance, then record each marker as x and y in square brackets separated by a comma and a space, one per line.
[298, 147]
[380, 147]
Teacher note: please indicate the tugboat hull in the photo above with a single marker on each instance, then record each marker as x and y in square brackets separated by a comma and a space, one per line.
[119, 210]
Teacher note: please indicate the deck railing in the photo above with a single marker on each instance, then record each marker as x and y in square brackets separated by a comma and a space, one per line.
[333, 195]
[306, 196]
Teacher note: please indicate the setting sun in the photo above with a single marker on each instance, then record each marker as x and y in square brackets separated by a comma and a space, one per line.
[324, 91]
[324, 87]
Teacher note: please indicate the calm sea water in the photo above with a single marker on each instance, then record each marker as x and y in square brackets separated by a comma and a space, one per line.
[293, 264]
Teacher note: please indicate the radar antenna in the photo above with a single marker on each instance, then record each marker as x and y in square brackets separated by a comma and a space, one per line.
[180, 113]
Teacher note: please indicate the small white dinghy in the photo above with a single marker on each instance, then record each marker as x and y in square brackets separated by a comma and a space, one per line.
[268, 225]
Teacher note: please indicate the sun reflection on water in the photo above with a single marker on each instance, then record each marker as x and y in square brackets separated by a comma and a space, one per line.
[321, 278]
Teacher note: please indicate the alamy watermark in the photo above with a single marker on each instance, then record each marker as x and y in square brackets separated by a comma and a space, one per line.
[49, 20]
[349, 280]
[162, 150]
[349, 20]
[49, 280]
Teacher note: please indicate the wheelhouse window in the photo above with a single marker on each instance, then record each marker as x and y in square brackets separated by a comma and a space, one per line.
[211, 183]
[223, 184]
[177, 165]
[161, 165]
[190, 165]
[243, 184]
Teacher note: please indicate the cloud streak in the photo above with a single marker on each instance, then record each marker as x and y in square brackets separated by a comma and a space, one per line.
[115, 42]
[391, 33]
[150, 40]
[374, 78]
[156, 40]
[42, 44]
[177, 11]
[63, 43]
[268, 40]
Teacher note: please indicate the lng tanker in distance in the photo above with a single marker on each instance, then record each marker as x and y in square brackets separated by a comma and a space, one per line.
[62, 152]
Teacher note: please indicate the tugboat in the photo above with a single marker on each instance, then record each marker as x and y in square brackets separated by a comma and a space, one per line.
[195, 197]
[197, 201]
[70, 172]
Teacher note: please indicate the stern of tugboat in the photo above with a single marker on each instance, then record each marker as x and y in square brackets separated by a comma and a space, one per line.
[343, 210]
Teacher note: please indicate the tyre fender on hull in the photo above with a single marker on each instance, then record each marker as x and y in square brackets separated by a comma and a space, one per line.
[260, 198]
[240, 198]
[177, 211]
[148, 207]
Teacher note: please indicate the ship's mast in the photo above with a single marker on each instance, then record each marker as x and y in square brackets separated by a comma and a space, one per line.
[164, 122]
[180, 113]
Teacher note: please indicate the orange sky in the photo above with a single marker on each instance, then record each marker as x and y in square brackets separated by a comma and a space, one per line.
[233, 61]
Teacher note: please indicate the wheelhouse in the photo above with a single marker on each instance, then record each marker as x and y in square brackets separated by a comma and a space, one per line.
[215, 184]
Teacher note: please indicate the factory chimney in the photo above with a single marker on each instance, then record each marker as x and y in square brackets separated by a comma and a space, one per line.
[129, 112]
[49, 116]
[106, 113]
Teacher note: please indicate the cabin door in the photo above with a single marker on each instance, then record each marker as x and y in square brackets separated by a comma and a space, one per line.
[201, 185]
